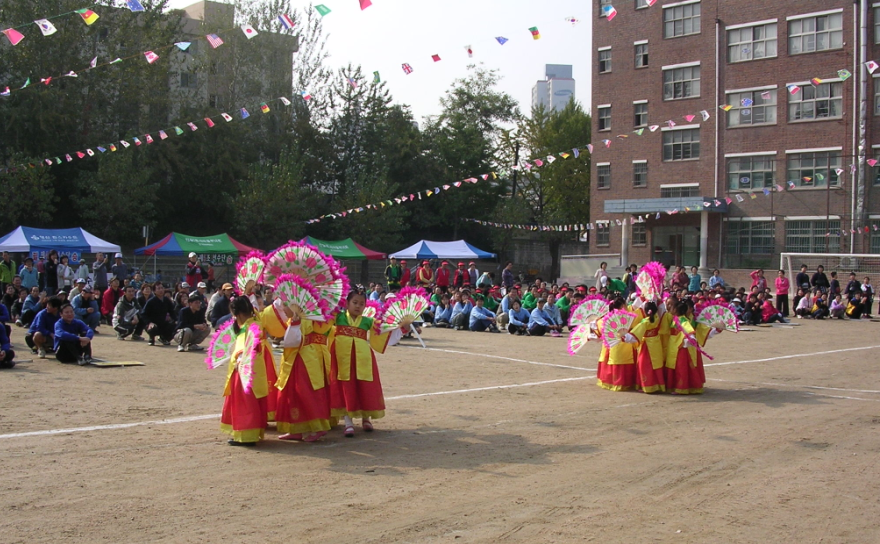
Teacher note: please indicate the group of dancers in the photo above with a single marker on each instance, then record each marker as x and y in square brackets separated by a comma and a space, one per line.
[662, 351]
[328, 369]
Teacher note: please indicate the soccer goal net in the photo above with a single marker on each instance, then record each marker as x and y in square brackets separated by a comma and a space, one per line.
[843, 263]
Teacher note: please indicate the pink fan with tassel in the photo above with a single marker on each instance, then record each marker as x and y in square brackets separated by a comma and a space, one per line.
[249, 271]
[409, 302]
[589, 310]
[617, 324]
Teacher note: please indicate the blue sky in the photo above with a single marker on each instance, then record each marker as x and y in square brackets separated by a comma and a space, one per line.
[392, 32]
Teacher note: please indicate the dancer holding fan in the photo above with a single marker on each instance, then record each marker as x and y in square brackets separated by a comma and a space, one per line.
[355, 388]
[616, 370]
[652, 333]
[684, 355]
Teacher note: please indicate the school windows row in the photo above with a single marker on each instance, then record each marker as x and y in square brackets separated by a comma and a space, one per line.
[749, 172]
[758, 237]
[807, 33]
[750, 107]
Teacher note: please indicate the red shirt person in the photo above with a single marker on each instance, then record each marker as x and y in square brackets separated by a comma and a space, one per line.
[405, 275]
[442, 280]
[194, 270]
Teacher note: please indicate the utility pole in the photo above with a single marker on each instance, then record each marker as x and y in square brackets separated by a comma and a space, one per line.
[515, 171]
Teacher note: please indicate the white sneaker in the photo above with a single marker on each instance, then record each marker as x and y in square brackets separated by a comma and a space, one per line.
[42, 353]
[180, 348]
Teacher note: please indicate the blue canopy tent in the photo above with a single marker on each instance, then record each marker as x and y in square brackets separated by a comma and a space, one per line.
[428, 249]
[71, 242]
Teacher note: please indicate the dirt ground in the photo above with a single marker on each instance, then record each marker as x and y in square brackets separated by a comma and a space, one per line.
[487, 438]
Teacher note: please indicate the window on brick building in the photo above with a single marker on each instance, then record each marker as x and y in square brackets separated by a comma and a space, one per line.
[815, 33]
[752, 108]
[679, 145]
[751, 237]
[823, 101]
[679, 192]
[876, 96]
[602, 4]
[640, 174]
[604, 117]
[639, 234]
[604, 60]
[681, 20]
[640, 115]
[681, 83]
[603, 234]
[750, 43]
[876, 25]
[875, 237]
[812, 236]
[603, 176]
[641, 55]
[754, 172]
[814, 169]
[875, 170]
[642, 4]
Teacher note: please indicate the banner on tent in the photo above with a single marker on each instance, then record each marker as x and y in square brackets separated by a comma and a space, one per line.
[73, 256]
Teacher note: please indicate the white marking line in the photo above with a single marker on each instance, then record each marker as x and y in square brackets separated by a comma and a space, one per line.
[500, 357]
[800, 386]
[116, 426]
[791, 356]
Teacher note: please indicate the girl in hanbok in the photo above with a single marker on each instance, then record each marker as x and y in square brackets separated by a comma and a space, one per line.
[684, 363]
[244, 412]
[355, 389]
[653, 334]
[617, 369]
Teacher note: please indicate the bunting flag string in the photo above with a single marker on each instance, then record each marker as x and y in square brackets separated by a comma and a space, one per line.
[142, 138]
[574, 227]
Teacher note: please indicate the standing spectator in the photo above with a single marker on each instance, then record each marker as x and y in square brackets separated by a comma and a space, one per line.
[507, 280]
[51, 272]
[73, 339]
[100, 270]
[425, 276]
[82, 271]
[868, 290]
[461, 278]
[481, 319]
[7, 355]
[192, 329]
[220, 310]
[86, 308]
[716, 280]
[194, 271]
[209, 281]
[517, 319]
[694, 280]
[833, 285]
[119, 270]
[64, 273]
[41, 334]
[158, 316]
[442, 277]
[782, 286]
[820, 280]
[473, 274]
[393, 275]
[405, 274]
[853, 288]
[125, 317]
[802, 280]
[758, 280]
[7, 270]
[601, 276]
[29, 275]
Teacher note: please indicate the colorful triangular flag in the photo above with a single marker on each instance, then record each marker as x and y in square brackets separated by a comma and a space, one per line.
[151, 57]
[14, 36]
[501, 39]
[46, 27]
[244, 113]
[470, 51]
[134, 5]
[435, 58]
[322, 10]
[536, 35]
[264, 107]
[88, 16]
[287, 22]
[365, 4]
[183, 46]
[871, 65]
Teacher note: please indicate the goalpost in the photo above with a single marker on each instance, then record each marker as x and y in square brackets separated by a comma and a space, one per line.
[843, 263]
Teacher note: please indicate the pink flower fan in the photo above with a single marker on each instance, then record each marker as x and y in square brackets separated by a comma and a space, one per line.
[295, 290]
[587, 311]
[249, 269]
[222, 344]
[649, 282]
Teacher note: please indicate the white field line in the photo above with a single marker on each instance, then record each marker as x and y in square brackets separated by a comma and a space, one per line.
[782, 357]
[499, 357]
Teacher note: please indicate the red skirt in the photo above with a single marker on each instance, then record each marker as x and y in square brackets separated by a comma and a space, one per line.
[271, 377]
[616, 377]
[685, 379]
[649, 379]
[355, 398]
[244, 415]
[302, 409]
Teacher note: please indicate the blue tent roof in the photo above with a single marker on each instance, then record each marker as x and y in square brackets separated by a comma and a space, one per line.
[428, 249]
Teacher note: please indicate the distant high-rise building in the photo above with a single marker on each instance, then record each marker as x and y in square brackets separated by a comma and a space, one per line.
[556, 89]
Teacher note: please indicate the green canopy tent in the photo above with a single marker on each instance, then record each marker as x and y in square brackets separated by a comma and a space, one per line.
[344, 249]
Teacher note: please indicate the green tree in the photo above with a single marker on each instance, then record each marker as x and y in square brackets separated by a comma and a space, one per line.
[27, 195]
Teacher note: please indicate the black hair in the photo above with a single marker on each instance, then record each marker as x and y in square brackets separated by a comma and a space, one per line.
[65, 305]
[651, 310]
[193, 298]
[617, 303]
[681, 309]
[242, 306]
[54, 302]
[353, 293]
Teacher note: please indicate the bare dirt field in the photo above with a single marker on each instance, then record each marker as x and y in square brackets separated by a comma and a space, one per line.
[487, 438]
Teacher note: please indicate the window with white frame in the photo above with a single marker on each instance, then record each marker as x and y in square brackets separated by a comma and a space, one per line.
[681, 83]
[641, 55]
[751, 237]
[603, 234]
[875, 170]
[604, 60]
[752, 42]
[818, 236]
[823, 101]
[681, 20]
[605, 118]
[818, 33]
[602, 4]
[876, 25]
[814, 169]
[640, 174]
[603, 176]
[752, 108]
[679, 192]
[642, 4]
[639, 234]
[640, 117]
[875, 236]
[679, 145]
[753, 172]
[876, 96]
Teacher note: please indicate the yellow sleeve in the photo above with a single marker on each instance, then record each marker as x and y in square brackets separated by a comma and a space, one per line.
[272, 322]
[639, 330]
